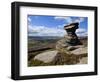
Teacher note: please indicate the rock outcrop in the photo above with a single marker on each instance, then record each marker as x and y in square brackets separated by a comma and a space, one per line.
[71, 38]
[69, 50]
[70, 44]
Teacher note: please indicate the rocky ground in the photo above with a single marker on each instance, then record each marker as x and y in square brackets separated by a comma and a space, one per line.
[77, 55]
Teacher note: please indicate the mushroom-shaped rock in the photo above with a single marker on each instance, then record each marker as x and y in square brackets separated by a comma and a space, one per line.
[71, 38]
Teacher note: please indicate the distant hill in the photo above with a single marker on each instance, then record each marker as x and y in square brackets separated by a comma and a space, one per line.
[43, 37]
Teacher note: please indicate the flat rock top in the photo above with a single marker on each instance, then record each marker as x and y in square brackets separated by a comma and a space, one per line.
[79, 51]
[46, 57]
[72, 25]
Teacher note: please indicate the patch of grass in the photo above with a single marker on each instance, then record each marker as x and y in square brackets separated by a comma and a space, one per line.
[38, 63]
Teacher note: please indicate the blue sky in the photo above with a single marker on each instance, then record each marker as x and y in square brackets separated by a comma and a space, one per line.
[39, 25]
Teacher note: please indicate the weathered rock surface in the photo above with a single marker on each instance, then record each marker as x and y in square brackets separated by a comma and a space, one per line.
[61, 44]
[70, 48]
[79, 51]
[47, 57]
[83, 60]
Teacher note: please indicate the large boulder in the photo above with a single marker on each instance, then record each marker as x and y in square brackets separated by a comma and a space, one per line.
[47, 57]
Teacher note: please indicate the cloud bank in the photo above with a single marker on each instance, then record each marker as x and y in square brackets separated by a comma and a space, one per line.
[81, 32]
[45, 31]
[70, 19]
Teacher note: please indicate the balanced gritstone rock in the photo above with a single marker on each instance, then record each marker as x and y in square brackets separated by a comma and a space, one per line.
[71, 38]
[71, 45]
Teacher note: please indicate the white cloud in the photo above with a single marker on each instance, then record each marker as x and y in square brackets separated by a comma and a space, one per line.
[60, 18]
[45, 31]
[81, 19]
[69, 19]
[81, 32]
